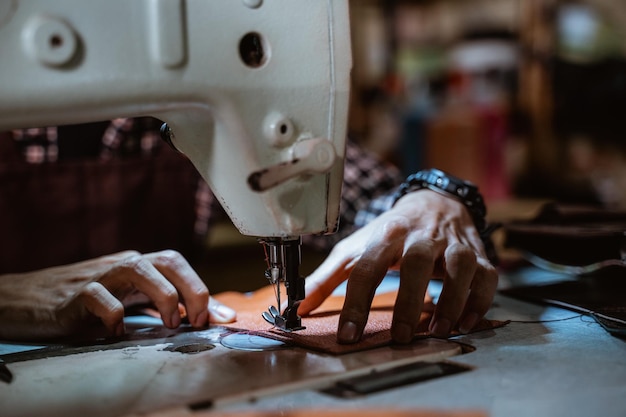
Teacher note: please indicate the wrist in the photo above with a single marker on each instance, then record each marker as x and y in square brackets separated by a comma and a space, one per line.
[465, 192]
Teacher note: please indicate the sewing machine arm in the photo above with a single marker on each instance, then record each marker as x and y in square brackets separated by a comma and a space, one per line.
[255, 92]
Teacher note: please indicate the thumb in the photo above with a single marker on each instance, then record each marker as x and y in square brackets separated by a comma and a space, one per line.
[220, 313]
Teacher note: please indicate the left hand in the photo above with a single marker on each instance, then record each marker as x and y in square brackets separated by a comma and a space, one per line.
[70, 299]
[426, 235]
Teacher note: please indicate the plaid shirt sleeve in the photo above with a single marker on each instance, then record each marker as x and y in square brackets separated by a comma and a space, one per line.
[37, 145]
[376, 207]
[124, 136]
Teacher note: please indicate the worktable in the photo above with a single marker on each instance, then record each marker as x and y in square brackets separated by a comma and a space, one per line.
[558, 363]
[547, 362]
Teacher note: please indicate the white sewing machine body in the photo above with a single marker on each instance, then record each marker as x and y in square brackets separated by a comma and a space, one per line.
[247, 87]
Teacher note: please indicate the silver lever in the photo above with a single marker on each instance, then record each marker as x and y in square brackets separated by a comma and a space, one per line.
[310, 156]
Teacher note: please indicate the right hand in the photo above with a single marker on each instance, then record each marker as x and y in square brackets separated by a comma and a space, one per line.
[425, 235]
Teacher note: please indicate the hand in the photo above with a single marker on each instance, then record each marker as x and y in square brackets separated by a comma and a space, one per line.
[426, 235]
[63, 300]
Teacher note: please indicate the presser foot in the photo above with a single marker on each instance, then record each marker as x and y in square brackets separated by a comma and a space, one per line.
[288, 322]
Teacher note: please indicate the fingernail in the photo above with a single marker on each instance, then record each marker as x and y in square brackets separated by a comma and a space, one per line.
[120, 330]
[223, 314]
[468, 323]
[441, 327]
[348, 333]
[175, 319]
[402, 333]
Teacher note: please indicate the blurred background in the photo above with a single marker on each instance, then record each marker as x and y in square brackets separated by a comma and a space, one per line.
[526, 98]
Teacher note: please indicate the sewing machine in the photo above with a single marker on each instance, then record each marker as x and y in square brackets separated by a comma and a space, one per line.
[253, 92]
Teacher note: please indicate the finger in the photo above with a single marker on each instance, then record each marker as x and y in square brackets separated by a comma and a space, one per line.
[416, 270]
[138, 272]
[460, 268]
[482, 291]
[190, 287]
[220, 313]
[364, 279]
[97, 300]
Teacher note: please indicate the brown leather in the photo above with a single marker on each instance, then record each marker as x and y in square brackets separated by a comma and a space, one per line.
[321, 324]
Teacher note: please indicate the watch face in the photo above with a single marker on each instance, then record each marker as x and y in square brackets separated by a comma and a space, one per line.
[452, 178]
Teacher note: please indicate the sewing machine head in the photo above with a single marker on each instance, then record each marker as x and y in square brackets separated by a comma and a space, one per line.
[254, 92]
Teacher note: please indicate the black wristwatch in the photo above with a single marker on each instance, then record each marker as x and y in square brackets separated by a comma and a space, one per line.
[464, 191]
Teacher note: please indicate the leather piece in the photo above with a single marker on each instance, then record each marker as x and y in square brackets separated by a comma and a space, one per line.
[321, 325]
